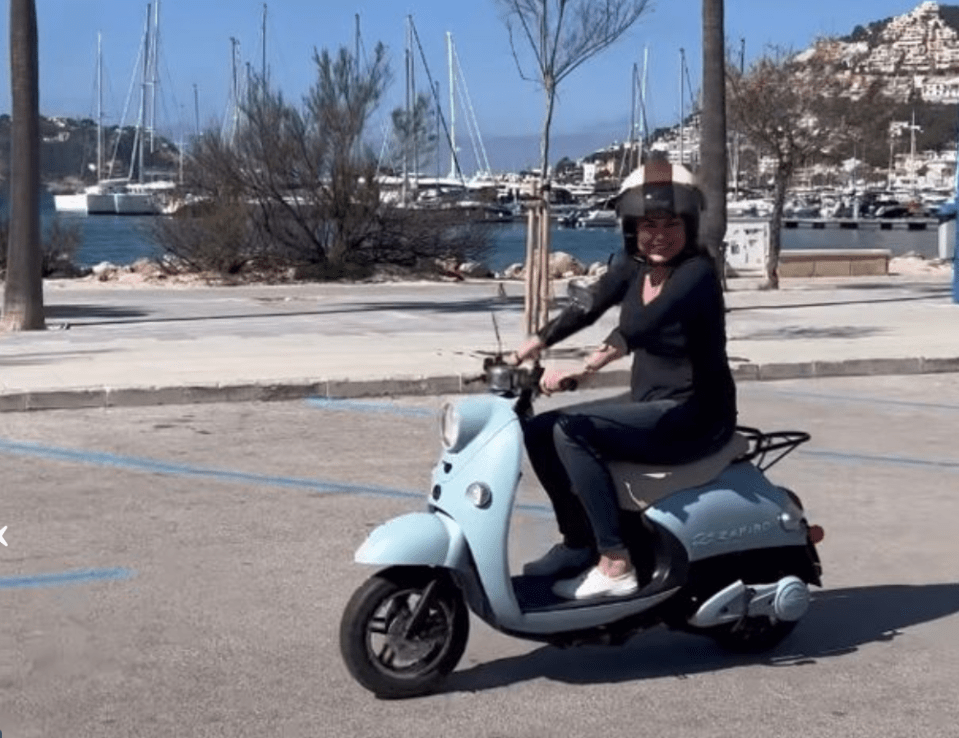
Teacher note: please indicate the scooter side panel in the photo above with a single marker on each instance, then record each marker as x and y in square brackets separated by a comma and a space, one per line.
[495, 462]
[415, 539]
[738, 511]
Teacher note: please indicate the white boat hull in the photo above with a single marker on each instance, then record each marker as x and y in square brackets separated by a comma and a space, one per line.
[70, 203]
[135, 203]
[115, 199]
[99, 204]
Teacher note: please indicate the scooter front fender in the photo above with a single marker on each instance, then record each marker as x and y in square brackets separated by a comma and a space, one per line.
[415, 539]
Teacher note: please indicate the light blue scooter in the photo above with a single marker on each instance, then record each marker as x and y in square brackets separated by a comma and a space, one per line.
[728, 554]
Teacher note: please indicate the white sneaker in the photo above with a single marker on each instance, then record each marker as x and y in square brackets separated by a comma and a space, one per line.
[559, 558]
[594, 583]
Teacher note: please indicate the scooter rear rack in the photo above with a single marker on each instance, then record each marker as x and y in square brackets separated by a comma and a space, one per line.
[767, 449]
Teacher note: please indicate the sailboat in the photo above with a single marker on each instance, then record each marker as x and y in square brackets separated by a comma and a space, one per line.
[77, 202]
[130, 195]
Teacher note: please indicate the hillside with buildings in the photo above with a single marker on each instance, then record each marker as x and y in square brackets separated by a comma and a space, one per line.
[68, 151]
[914, 60]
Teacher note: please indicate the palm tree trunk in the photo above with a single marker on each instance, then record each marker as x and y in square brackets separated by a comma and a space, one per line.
[713, 228]
[23, 289]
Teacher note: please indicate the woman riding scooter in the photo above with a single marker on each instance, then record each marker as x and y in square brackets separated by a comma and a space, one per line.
[682, 400]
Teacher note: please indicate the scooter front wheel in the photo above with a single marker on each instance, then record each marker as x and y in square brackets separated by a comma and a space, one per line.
[403, 631]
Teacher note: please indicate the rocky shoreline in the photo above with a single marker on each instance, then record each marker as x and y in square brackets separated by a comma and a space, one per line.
[147, 273]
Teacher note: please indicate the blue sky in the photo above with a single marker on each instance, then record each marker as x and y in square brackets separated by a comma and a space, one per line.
[594, 105]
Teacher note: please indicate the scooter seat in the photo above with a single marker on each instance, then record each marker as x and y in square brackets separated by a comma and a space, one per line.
[640, 485]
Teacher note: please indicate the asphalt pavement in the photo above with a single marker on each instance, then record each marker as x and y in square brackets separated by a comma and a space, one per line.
[183, 570]
[110, 344]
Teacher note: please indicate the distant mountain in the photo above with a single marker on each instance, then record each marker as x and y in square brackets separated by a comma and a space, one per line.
[68, 151]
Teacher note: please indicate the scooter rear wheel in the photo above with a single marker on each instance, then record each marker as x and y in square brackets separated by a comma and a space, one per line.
[403, 631]
[752, 635]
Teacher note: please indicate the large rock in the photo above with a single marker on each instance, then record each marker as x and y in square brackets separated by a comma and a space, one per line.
[474, 270]
[104, 271]
[563, 265]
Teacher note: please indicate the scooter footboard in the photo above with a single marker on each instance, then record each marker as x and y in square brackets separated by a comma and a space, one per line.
[415, 539]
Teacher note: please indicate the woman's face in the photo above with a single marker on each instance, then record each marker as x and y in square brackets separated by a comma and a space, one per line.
[660, 235]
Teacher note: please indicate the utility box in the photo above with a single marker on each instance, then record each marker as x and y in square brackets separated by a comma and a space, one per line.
[947, 239]
[747, 245]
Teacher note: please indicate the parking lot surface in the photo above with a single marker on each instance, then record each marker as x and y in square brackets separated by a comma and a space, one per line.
[182, 569]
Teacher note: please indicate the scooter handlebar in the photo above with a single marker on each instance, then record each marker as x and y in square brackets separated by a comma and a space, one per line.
[511, 379]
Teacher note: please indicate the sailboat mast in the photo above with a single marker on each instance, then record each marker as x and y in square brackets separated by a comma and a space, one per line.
[634, 83]
[99, 106]
[263, 59]
[912, 154]
[449, 56]
[235, 113]
[644, 128]
[154, 74]
[143, 96]
[406, 142]
[682, 112]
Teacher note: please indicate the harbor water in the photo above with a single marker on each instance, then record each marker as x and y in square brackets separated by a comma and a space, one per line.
[122, 240]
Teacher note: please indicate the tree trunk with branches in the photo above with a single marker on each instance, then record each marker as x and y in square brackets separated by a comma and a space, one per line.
[561, 35]
[23, 289]
[781, 106]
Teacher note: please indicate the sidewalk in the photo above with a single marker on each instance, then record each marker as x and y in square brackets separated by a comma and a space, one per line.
[110, 345]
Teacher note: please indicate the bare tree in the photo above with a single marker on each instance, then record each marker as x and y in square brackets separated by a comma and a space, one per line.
[303, 173]
[561, 35]
[298, 187]
[23, 290]
[714, 133]
[779, 104]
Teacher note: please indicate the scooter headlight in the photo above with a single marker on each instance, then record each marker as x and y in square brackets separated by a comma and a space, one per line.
[450, 425]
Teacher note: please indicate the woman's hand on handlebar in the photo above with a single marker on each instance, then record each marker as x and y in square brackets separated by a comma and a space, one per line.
[530, 349]
[560, 380]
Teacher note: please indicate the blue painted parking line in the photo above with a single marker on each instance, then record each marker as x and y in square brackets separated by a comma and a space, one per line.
[357, 406]
[81, 576]
[859, 458]
[132, 463]
[861, 399]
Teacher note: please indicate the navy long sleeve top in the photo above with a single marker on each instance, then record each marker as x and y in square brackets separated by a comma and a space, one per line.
[678, 339]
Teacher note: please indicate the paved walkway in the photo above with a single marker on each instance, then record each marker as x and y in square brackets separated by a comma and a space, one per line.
[116, 345]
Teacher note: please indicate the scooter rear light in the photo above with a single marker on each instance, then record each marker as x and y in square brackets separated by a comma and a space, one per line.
[816, 534]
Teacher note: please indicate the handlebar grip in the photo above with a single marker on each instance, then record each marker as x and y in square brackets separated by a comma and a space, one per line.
[568, 385]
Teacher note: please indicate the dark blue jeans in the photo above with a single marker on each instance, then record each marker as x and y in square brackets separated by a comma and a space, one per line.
[566, 448]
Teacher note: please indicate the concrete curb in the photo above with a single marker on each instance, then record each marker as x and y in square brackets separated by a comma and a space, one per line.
[103, 397]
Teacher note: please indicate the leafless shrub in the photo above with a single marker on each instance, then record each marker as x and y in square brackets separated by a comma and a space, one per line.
[211, 236]
[296, 190]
